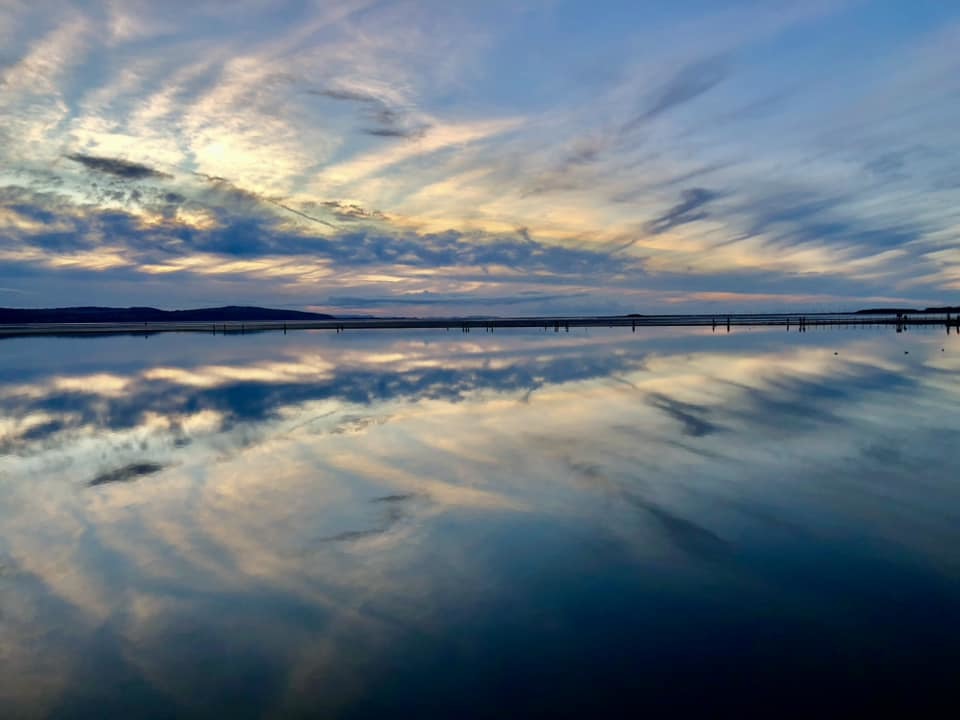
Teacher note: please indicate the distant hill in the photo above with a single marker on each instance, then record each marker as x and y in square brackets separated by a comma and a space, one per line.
[906, 311]
[886, 311]
[231, 313]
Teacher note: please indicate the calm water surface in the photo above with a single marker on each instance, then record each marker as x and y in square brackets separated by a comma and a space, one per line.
[422, 524]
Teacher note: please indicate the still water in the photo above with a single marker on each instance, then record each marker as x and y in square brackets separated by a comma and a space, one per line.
[430, 523]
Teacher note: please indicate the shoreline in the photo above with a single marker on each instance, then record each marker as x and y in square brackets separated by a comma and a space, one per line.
[800, 321]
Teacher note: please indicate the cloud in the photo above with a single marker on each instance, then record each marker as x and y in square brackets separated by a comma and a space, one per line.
[351, 212]
[126, 473]
[427, 298]
[243, 229]
[397, 132]
[117, 167]
[219, 232]
[245, 196]
[687, 84]
[276, 116]
[387, 121]
[808, 215]
[344, 94]
[688, 210]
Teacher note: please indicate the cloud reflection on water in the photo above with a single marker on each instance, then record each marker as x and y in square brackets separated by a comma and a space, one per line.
[301, 512]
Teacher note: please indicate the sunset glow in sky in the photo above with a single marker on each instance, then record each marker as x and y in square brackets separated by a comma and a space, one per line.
[425, 158]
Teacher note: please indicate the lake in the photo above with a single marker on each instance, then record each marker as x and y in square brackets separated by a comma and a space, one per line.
[438, 524]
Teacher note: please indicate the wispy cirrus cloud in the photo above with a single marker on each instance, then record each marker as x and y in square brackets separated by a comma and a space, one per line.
[689, 209]
[690, 82]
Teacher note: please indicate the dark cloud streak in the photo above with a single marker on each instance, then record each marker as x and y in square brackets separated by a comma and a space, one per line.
[687, 84]
[688, 210]
[386, 121]
[412, 133]
[117, 167]
[351, 212]
[128, 473]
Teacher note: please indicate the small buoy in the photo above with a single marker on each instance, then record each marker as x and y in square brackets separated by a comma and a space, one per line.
[906, 352]
[836, 353]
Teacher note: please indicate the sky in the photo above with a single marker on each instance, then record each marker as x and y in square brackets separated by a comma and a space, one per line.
[462, 158]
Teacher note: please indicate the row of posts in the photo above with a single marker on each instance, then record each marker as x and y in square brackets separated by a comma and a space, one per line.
[801, 322]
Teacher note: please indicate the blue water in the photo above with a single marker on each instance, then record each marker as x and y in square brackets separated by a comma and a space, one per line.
[432, 524]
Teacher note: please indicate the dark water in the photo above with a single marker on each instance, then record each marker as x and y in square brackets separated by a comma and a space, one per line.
[520, 523]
